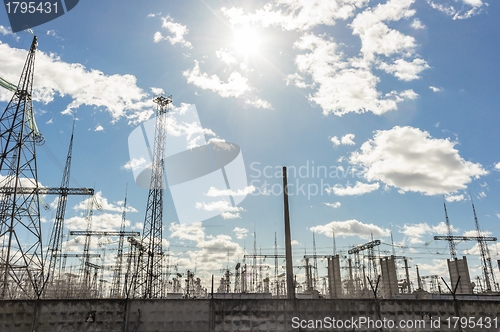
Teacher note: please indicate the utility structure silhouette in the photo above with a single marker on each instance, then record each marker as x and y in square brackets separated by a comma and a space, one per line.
[489, 276]
[115, 288]
[149, 277]
[55, 241]
[21, 254]
[451, 242]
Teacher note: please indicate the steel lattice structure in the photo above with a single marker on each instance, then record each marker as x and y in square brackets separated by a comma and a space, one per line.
[149, 277]
[21, 257]
[115, 288]
[55, 242]
[451, 242]
[489, 276]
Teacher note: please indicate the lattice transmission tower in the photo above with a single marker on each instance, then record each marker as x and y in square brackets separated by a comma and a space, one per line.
[149, 277]
[21, 253]
[115, 288]
[56, 237]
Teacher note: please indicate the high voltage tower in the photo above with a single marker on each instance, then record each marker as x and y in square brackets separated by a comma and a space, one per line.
[451, 242]
[115, 288]
[149, 277]
[21, 263]
[489, 276]
[55, 242]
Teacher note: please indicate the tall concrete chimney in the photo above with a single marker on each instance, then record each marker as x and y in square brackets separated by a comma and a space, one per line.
[290, 287]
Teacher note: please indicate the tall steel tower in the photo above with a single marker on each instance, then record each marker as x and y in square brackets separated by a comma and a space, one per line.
[56, 237]
[489, 276]
[149, 282]
[115, 288]
[451, 242]
[21, 256]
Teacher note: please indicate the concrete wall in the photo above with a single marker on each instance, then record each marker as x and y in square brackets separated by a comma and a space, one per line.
[229, 315]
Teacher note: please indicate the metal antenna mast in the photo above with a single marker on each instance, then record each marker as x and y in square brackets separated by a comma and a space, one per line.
[150, 283]
[451, 242]
[21, 256]
[55, 242]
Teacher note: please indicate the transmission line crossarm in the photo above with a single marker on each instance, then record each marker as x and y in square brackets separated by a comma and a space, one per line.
[104, 233]
[365, 246]
[5, 190]
[465, 238]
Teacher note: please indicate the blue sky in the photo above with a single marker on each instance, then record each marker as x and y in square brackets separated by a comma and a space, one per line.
[398, 97]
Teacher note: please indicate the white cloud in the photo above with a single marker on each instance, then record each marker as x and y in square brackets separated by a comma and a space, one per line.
[117, 94]
[468, 9]
[157, 91]
[99, 128]
[8, 31]
[454, 198]
[333, 205]
[212, 250]
[100, 221]
[335, 140]
[411, 160]
[404, 70]
[240, 232]
[259, 103]
[343, 85]
[417, 25]
[348, 139]
[192, 232]
[235, 86]
[344, 140]
[103, 202]
[135, 164]
[296, 14]
[226, 56]
[350, 228]
[190, 130]
[415, 232]
[227, 211]
[497, 166]
[435, 89]
[358, 189]
[176, 29]
[376, 36]
[214, 192]
[474, 233]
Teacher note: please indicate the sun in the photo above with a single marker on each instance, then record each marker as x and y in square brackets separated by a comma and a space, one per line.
[246, 40]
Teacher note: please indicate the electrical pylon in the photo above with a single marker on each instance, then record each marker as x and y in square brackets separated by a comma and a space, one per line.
[56, 237]
[451, 242]
[149, 282]
[21, 256]
[115, 288]
[489, 276]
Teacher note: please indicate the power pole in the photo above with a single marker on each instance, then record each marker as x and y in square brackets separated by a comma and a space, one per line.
[21, 256]
[149, 283]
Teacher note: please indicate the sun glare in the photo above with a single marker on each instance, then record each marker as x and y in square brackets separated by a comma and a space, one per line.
[246, 40]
